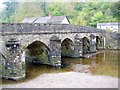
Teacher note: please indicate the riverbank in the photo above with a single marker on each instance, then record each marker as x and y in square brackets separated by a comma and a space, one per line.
[68, 80]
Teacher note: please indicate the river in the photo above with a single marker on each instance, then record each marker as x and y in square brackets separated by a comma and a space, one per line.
[105, 63]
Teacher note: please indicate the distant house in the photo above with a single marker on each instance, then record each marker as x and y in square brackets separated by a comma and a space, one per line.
[112, 26]
[48, 19]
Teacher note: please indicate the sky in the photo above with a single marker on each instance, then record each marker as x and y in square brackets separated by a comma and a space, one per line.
[1, 5]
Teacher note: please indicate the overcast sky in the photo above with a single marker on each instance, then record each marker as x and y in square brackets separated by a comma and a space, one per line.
[1, 5]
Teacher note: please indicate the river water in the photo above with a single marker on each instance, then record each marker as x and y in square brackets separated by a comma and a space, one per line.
[103, 63]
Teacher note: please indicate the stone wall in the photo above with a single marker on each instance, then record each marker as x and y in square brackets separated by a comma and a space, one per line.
[112, 41]
[46, 28]
[51, 35]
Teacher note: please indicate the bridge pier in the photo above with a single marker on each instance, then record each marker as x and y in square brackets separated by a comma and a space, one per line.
[14, 61]
[78, 47]
[55, 49]
[93, 43]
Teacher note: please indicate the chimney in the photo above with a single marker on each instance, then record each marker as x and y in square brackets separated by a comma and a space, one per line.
[50, 15]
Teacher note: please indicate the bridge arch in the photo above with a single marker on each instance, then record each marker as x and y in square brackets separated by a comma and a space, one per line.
[38, 52]
[92, 36]
[92, 43]
[98, 42]
[69, 36]
[28, 41]
[67, 47]
[2, 59]
[86, 45]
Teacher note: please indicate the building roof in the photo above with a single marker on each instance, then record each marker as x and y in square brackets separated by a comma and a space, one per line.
[41, 20]
[108, 24]
[56, 19]
[29, 20]
[48, 19]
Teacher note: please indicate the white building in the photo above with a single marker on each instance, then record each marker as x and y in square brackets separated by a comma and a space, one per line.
[112, 26]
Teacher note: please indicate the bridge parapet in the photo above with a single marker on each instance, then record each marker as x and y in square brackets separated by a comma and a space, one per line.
[19, 28]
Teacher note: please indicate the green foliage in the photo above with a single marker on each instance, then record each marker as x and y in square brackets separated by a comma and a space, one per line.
[55, 9]
[97, 17]
[10, 8]
[79, 6]
[79, 13]
[42, 58]
[92, 13]
[67, 52]
[26, 10]
[115, 8]
[110, 30]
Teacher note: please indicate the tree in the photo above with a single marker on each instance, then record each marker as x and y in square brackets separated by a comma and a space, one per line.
[55, 9]
[80, 13]
[28, 9]
[92, 13]
[79, 6]
[10, 8]
[115, 8]
[96, 18]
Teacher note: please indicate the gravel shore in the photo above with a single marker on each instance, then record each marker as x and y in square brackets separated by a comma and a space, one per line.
[68, 80]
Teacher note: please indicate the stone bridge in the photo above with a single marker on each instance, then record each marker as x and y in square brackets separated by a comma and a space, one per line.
[44, 43]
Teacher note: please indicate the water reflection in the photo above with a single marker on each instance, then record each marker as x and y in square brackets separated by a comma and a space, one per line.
[101, 64]
[105, 63]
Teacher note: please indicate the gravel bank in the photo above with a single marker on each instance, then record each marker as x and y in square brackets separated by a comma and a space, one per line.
[68, 80]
